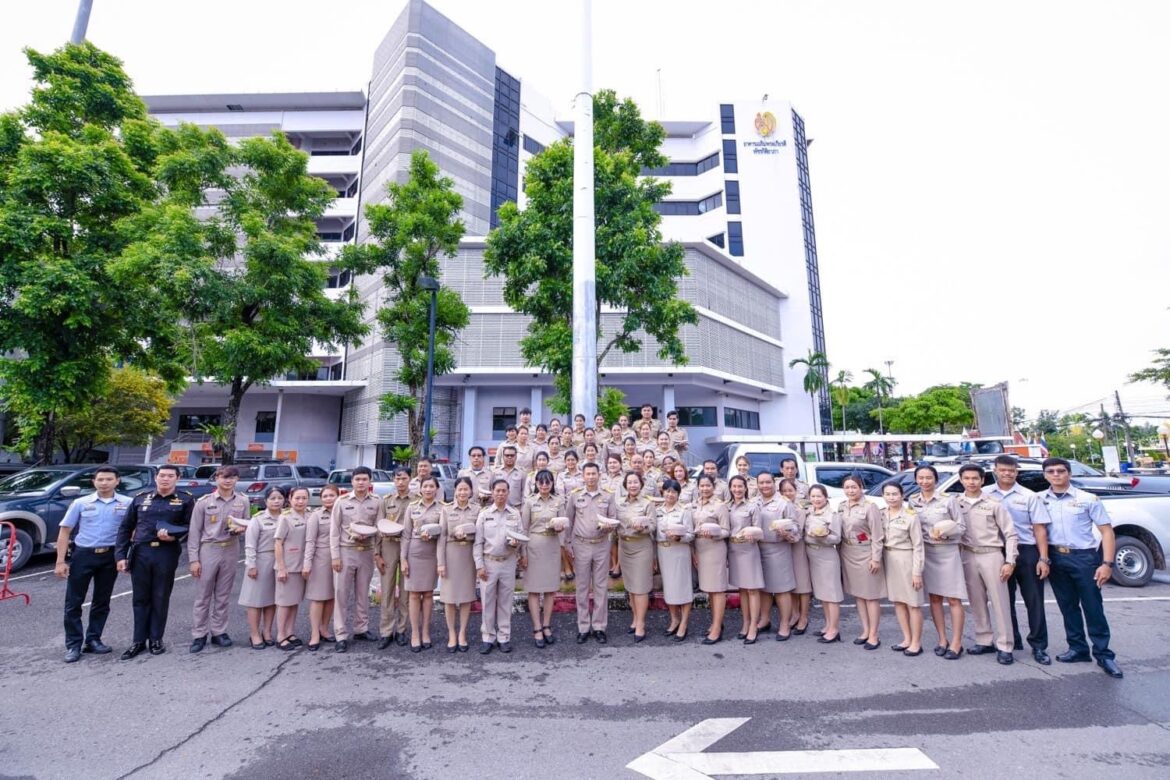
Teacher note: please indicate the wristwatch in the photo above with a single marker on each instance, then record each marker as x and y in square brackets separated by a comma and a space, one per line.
[1046, 561]
[1107, 563]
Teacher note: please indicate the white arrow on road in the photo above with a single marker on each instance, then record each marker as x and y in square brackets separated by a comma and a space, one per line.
[682, 758]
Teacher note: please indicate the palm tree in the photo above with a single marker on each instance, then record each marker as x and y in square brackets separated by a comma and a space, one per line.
[881, 386]
[842, 381]
[816, 375]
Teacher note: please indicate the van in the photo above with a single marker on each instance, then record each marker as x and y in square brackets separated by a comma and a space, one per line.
[762, 457]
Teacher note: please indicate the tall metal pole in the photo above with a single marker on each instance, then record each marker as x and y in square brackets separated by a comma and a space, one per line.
[430, 375]
[584, 397]
[81, 23]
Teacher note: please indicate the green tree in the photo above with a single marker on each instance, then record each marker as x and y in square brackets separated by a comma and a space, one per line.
[411, 232]
[611, 404]
[881, 386]
[1047, 422]
[1019, 418]
[863, 408]
[75, 169]
[252, 293]
[816, 376]
[842, 392]
[932, 411]
[134, 408]
[1159, 371]
[532, 249]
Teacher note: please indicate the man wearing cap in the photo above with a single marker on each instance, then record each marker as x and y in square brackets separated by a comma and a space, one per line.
[495, 555]
[96, 518]
[213, 553]
[149, 547]
[989, 548]
[1080, 568]
[353, 557]
[513, 475]
[392, 619]
[1031, 520]
[588, 548]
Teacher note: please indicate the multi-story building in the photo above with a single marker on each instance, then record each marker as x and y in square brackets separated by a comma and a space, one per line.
[741, 206]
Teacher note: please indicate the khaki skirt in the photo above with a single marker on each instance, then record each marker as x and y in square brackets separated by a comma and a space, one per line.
[674, 563]
[942, 574]
[776, 560]
[458, 587]
[712, 554]
[261, 592]
[319, 585]
[824, 565]
[636, 556]
[800, 568]
[899, 569]
[543, 574]
[745, 571]
[858, 582]
[424, 566]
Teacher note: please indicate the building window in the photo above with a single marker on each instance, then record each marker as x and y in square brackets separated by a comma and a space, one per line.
[684, 168]
[532, 146]
[735, 239]
[265, 426]
[717, 240]
[502, 417]
[338, 277]
[194, 422]
[689, 208]
[730, 158]
[741, 418]
[727, 118]
[505, 143]
[732, 186]
[697, 416]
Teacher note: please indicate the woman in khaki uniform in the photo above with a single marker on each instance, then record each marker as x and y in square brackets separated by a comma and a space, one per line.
[629, 453]
[664, 449]
[803, 590]
[822, 534]
[289, 553]
[686, 485]
[542, 577]
[711, 552]
[571, 478]
[456, 564]
[903, 564]
[651, 476]
[745, 571]
[861, 559]
[258, 593]
[591, 453]
[611, 480]
[645, 438]
[420, 562]
[675, 535]
[539, 464]
[636, 514]
[743, 468]
[942, 575]
[317, 569]
[613, 443]
[780, 524]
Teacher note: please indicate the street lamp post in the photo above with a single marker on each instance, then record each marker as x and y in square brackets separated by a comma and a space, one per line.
[432, 284]
[1164, 435]
[1099, 435]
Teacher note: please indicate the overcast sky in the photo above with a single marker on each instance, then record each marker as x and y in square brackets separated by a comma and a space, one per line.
[991, 181]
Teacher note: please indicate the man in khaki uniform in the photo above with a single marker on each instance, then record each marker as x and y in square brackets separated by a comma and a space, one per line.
[392, 620]
[678, 436]
[423, 470]
[353, 558]
[990, 545]
[480, 476]
[513, 475]
[495, 566]
[588, 547]
[648, 417]
[214, 554]
[788, 470]
[509, 440]
[711, 469]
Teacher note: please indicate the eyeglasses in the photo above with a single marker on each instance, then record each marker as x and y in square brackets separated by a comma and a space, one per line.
[1056, 471]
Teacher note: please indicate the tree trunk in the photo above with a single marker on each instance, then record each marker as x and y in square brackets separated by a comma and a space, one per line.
[414, 424]
[231, 418]
[46, 442]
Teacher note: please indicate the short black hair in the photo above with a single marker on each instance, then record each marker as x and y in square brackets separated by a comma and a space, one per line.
[591, 465]
[400, 470]
[788, 460]
[525, 410]
[541, 427]
[169, 467]
[1056, 462]
[709, 460]
[670, 484]
[672, 413]
[1006, 460]
[108, 470]
[506, 447]
[966, 467]
[510, 429]
[503, 482]
[471, 451]
[360, 470]
[645, 405]
[926, 467]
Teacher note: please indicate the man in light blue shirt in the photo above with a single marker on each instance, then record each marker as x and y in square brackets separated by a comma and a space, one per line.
[1032, 566]
[1080, 568]
[96, 518]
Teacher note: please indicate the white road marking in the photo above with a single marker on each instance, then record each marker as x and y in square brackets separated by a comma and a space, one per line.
[128, 592]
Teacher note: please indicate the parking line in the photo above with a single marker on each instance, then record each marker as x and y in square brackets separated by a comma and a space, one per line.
[128, 592]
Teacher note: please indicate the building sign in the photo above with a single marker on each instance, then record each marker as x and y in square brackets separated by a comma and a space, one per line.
[765, 124]
[178, 457]
[288, 456]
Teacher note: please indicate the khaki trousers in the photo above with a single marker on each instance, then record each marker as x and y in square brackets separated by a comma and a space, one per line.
[351, 587]
[213, 589]
[591, 571]
[981, 570]
[394, 609]
[496, 595]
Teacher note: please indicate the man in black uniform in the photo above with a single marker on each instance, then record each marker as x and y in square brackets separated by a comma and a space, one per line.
[149, 547]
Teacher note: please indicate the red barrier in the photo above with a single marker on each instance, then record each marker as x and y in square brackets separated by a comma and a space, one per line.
[5, 591]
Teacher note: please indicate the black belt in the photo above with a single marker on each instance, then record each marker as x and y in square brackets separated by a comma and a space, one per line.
[96, 550]
[1068, 550]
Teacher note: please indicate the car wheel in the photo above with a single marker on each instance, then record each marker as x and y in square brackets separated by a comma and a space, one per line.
[1133, 563]
[21, 551]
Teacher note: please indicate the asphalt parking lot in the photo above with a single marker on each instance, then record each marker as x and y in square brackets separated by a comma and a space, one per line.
[573, 711]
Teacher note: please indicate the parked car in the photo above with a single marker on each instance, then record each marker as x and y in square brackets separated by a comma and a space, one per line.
[446, 472]
[832, 475]
[1030, 476]
[189, 479]
[342, 478]
[36, 499]
[256, 478]
[8, 469]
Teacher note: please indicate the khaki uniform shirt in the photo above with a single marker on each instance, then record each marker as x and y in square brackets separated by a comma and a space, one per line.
[418, 515]
[491, 533]
[209, 520]
[516, 479]
[584, 509]
[863, 520]
[481, 493]
[538, 511]
[935, 511]
[904, 532]
[452, 517]
[678, 439]
[988, 524]
[567, 483]
[636, 517]
[348, 510]
[777, 508]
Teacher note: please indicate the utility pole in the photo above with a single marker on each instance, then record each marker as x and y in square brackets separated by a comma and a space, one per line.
[81, 23]
[1125, 423]
[584, 397]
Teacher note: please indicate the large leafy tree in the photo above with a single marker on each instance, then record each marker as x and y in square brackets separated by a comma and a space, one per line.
[636, 272]
[932, 411]
[134, 408]
[1158, 372]
[411, 233]
[76, 168]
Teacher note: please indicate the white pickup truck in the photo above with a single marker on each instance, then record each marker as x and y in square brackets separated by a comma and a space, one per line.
[769, 457]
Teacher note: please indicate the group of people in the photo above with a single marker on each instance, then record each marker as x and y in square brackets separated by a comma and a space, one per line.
[583, 504]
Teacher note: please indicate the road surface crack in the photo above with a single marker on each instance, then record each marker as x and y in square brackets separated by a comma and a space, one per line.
[207, 724]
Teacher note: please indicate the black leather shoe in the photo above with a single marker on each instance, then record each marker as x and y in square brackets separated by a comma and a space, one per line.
[600, 637]
[133, 650]
[873, 645]
[401, 639]
[709, 641]
[940, 651]
[198, 644]
[365, 636]
[157, 647]
[416, 648]
[221, 640]
[485, 648]
[1018, 644]
[97, 647]
[824, 641]
[1072, 657]
[385, 642]
[342, 646]
[1111, 668]
[680, 637]
[799, 631]
[860, 641]
[953, 655]
[764, 628]
[912, 653]
[631, 630]
[980, 649]
[581, 637]
[1004, 657]
[639, 638]
[505, 647]
[1041, 657]
[72, 655]
[782, 637]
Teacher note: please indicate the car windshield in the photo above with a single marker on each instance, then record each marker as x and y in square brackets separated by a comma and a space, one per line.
[31, 481]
